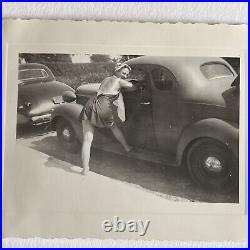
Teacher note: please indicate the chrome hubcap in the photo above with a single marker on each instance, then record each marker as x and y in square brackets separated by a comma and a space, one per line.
[66, 134]
[213, 164]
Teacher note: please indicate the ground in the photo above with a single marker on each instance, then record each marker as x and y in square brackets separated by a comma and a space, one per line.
[108, 159]
[46, 196]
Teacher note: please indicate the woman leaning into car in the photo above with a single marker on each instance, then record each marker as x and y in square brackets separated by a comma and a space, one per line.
[98, 111]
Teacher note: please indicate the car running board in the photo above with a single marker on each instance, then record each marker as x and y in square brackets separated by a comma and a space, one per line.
[136, 153]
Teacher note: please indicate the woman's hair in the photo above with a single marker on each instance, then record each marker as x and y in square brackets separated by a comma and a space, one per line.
[120, 66]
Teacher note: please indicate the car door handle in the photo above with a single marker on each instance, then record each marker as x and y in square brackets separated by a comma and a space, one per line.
[145, 103]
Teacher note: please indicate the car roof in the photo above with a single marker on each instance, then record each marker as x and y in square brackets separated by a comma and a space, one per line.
[32, 66]
[189, 77]
[172, 61]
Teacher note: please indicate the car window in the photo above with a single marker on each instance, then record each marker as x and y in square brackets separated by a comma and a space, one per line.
[215, 70]
[32, 74]
[163, 78]
[137, 73]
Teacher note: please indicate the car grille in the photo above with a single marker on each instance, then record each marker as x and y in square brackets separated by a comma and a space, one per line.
[81, 99]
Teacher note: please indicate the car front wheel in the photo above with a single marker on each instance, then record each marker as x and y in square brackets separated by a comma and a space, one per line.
[67, 136]
[212, 165]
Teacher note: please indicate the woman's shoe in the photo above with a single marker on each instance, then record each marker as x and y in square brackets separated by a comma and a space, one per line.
[84, 172]
[130, 150]
[133, 151]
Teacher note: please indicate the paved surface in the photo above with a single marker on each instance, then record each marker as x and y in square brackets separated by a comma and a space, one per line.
[47, 197]
[108, 160]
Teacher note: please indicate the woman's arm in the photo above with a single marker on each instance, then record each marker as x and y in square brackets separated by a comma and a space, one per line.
[126, 84]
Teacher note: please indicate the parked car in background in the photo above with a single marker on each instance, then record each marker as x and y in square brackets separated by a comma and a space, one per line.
[187, 111]
[38, 92]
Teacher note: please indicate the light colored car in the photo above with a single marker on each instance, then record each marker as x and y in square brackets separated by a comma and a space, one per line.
[188, 111]
[38, 93]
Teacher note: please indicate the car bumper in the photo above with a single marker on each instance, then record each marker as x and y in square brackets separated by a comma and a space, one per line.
[22, 119]
[41, 119]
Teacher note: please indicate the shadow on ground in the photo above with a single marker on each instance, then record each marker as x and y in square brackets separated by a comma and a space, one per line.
[168, 182]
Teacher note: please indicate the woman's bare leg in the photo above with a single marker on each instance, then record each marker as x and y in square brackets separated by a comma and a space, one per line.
[120, 137]
[88, 134]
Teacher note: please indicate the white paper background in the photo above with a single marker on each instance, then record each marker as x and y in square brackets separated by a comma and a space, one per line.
[232, 13]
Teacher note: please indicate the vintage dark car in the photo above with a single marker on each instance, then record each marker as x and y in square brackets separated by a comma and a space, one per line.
[187, 111]
[38, 91]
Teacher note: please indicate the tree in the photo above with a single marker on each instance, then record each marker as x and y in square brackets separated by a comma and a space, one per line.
[99, 58]
[234, 62]
[127, 57]
[44, 58]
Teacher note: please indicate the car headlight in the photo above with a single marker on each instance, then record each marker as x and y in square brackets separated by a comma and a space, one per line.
[26, 105]
[20, 107]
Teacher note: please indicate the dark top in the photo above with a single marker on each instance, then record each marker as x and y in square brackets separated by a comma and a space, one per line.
[99, 110]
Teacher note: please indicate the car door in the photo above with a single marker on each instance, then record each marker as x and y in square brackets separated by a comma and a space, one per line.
[165, 103]
[139, 127]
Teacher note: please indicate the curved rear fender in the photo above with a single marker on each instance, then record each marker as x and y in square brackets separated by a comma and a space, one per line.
[225, 132]
[71, 113]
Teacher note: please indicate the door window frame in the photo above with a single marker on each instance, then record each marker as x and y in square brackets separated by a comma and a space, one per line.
[151, 67]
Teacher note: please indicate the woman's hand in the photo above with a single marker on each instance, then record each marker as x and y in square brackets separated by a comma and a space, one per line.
[132, 85]
[139, 84]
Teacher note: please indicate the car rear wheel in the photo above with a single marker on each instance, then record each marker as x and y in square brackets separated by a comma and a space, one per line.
[67, 136]
[212, 165]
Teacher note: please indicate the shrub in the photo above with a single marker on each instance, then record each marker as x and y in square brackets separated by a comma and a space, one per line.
[76, 74]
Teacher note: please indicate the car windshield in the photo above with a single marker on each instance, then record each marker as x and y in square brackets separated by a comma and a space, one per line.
[215, 70]
[31, 74]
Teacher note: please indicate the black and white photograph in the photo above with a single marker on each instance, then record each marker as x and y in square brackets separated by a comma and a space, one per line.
[131, 136]
[168, 125]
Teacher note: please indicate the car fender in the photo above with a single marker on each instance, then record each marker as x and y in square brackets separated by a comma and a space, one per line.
[71, 113]
[223, 131]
